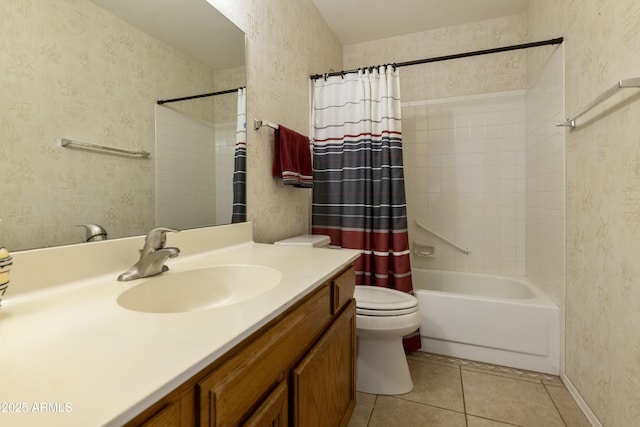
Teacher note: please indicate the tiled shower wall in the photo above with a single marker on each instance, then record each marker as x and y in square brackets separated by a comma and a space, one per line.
[465, 179]
[225, 150]
[185, 165]
[545, 210]
[195, 162]
[487, 172]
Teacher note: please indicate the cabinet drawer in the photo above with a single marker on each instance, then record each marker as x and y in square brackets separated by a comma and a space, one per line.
[175, 409]
[342, 287]
[236, 389]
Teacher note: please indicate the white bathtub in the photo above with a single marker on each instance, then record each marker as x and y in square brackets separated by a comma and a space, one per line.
[494, 319]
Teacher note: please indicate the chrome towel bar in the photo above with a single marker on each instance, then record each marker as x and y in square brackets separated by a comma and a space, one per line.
[257, 124]
[571, 121]
[70, 143]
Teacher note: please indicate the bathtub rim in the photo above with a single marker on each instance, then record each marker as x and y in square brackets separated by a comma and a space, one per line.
[540, 297]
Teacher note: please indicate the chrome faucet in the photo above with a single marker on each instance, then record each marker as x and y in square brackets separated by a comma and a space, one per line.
[152, 256]
[94, 232]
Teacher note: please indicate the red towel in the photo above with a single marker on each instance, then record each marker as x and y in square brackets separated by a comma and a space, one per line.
[292, 158]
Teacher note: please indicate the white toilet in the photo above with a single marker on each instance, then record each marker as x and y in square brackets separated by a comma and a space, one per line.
[383, 317]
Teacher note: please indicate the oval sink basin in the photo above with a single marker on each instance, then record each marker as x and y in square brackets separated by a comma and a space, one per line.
[200, 289]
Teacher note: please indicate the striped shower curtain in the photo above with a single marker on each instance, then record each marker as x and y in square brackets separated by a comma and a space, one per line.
[239, 213]
[358, 196]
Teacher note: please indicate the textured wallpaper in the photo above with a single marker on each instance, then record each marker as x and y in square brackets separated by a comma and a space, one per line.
[602, 46]
[70, 70]
[468, 76]
[287, 41]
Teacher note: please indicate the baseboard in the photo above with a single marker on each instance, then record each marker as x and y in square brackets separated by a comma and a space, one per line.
[591, 417]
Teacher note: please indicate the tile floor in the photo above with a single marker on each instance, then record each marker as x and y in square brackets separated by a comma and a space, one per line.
[454, 392]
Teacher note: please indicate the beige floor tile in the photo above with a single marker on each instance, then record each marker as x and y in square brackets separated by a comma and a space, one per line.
[553, 381]
[392, 411]
[473, 365]
[569, 409]
[483, 422]
[435, 385]
[495, 396]
[434, 358]
[504, 371]
[509, 400]
[363, 409]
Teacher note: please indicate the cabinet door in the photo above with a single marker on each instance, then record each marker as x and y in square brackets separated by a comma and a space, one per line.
[273, 411]
[229, 395]
[324, 383]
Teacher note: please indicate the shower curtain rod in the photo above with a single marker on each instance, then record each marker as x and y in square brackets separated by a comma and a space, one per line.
[448, 57]
[204, 95]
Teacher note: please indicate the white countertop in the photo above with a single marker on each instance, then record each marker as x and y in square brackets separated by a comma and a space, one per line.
[70, 355]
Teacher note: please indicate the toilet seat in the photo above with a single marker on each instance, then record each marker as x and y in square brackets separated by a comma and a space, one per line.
[380, 302]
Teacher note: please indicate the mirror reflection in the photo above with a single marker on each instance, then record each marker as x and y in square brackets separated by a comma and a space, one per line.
[93, 71]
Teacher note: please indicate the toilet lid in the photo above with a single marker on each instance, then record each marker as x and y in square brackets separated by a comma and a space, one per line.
[377, 301]
[314, 240]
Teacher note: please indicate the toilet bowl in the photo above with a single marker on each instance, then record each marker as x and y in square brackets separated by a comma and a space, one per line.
[383, 317]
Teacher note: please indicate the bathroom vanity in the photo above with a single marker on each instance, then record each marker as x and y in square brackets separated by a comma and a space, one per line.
[297, 370]
[285, 356]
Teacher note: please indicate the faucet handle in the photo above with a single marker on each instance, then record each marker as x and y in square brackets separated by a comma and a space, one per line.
[156, 239]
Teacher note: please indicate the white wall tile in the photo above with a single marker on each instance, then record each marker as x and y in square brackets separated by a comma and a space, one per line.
[183, 145]
[545, 181]
[472, 180]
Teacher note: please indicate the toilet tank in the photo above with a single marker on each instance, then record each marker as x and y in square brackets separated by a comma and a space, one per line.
[314, 240]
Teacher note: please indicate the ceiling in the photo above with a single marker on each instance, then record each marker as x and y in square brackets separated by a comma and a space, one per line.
[356, 21]
[192, 26]
[353, 21]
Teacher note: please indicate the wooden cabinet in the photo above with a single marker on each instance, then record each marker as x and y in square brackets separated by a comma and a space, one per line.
[175, 409]
[324, 382]
[342, 287]
[297, 370]
[238, 386]
[273, 411]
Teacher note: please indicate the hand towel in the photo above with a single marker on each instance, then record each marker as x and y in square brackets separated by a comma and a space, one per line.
[292, 158]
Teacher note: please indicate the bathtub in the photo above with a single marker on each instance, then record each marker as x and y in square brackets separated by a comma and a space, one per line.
[495, 319]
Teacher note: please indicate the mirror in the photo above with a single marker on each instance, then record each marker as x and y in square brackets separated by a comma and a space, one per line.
[92, 71]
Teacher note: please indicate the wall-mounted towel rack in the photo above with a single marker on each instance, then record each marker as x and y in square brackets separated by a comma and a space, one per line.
[257, 124]
[440, 236]
[622, 84]
[70, 143]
